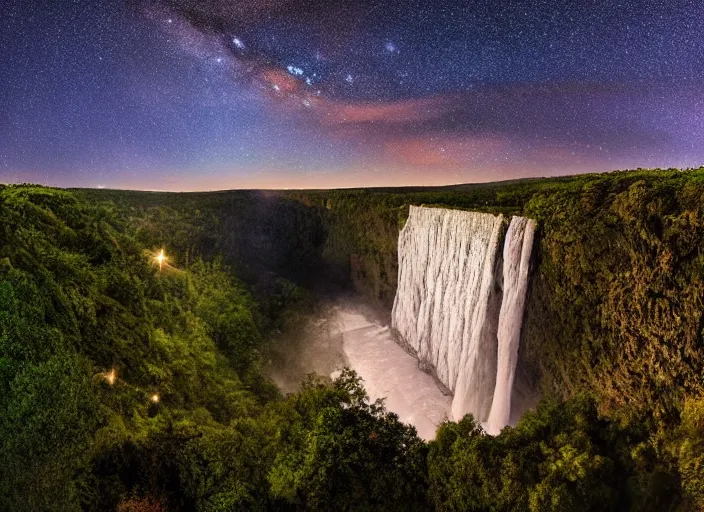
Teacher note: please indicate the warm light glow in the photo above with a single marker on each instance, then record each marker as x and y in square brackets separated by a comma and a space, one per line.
[155, 398]
[160, 258]
[111, 376]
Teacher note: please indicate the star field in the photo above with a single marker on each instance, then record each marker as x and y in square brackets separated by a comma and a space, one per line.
[186, 94]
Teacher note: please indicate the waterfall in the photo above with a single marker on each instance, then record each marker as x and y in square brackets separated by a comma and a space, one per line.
[517, 249]
[448, 310]
[445, 282]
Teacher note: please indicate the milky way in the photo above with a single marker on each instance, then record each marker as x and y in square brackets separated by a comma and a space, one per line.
[186, 94]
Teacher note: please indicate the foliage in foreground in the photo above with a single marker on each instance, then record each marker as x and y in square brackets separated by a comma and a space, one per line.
[340, 452]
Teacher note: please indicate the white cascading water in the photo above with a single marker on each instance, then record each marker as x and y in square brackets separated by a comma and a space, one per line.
[517, 248]
[447, 260]
[392, 374]
[448, 307]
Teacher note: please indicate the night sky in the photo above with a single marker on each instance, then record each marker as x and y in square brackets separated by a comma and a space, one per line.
[215, 94]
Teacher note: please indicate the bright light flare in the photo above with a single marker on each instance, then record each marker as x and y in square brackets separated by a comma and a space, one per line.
[160, 258]
[111, 376]
[155, 398]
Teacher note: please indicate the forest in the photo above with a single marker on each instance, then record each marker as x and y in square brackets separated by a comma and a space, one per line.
[134, 384]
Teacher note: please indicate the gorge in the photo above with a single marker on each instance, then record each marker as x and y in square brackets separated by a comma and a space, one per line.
[600, 318]
[451, 346]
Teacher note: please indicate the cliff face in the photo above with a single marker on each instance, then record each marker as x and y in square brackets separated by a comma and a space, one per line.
[448, 307]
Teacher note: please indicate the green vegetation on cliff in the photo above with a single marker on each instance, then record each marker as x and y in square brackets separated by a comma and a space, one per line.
[123, 386]
[621, 276]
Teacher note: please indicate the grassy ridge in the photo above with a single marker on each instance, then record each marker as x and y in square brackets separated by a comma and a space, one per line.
[618, 291]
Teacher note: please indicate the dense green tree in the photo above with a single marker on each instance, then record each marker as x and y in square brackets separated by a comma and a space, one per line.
[561, 457]
[338, 451]
[101, 355]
